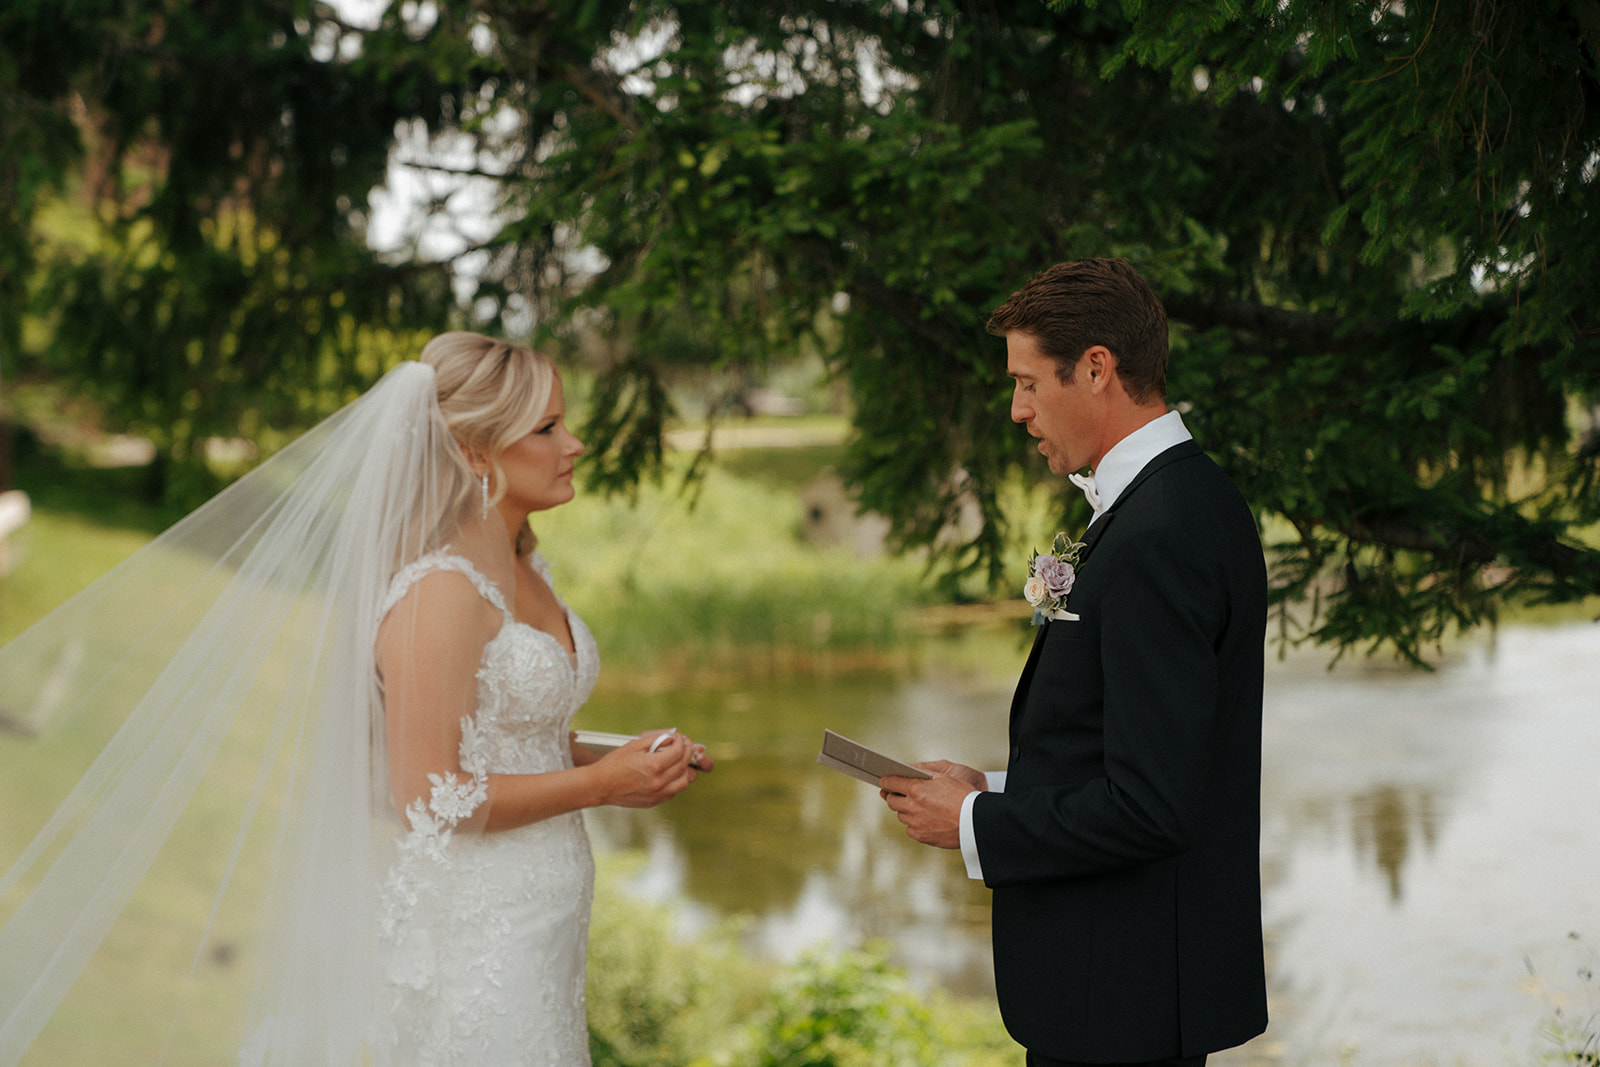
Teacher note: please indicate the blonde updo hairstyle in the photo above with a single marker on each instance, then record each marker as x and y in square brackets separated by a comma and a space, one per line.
[491, 393]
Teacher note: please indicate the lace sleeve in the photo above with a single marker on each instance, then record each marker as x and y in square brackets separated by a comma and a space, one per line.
[430, 646]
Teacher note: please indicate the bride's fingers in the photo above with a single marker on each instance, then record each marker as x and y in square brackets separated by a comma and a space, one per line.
[698, 757]
[687, 754]
[663, 764]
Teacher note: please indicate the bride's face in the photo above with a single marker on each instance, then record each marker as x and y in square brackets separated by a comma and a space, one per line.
[538, 467]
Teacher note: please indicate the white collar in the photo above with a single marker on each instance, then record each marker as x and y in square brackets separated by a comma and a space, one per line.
[1120, 466]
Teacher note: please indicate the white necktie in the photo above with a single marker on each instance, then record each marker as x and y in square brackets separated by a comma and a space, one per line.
[1086, 483]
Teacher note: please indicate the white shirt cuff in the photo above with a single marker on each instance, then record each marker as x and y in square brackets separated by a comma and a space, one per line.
[969, 841]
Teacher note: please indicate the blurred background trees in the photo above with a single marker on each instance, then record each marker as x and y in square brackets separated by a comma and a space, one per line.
[1374, 225]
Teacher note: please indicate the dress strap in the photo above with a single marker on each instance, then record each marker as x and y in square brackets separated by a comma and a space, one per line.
[541, 567]
[442, 560]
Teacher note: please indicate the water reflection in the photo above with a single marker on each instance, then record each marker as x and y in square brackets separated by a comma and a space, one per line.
[1385, 821]
[1428, 840]
[805, 854]
[1430, 843]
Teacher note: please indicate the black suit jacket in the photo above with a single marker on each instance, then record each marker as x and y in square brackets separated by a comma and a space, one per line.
[1124, 853]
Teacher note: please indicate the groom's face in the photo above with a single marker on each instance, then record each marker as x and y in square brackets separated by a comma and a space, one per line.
[1060, 414]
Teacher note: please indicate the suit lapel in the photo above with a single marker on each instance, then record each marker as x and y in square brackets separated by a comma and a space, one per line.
[1020, 695]
[1096, 531]
[1092, 536]
[1181, 450]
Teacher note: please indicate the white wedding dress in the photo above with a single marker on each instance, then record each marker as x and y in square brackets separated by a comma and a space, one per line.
[483, 935]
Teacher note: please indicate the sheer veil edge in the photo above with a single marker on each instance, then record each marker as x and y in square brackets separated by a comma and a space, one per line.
[233, 658]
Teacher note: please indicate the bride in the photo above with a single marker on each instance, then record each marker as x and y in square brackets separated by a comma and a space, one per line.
[369, 607]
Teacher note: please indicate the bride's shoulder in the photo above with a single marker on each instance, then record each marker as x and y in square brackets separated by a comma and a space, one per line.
[436, 615]
[440, 602]
[443, 581]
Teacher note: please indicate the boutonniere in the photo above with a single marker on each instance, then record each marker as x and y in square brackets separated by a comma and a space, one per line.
[1050, 578]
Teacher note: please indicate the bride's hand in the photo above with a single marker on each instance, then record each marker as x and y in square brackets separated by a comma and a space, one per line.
[635, 777]
[699, 758]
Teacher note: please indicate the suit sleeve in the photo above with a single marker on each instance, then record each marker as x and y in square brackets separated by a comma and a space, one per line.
[1133, 794]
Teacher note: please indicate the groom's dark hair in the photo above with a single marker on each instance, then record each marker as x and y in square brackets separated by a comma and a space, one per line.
[1073, 306]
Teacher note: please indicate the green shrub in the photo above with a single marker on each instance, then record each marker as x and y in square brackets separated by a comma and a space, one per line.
[657, 1000]
[848, 1010]
[853, 1009]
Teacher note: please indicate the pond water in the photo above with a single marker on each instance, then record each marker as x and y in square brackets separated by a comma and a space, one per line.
[1430, 851]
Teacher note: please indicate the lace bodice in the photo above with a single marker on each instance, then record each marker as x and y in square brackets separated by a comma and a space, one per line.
[529, 687]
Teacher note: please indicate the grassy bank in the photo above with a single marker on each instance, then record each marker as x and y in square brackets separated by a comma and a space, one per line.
[675, 593]
[671, 590]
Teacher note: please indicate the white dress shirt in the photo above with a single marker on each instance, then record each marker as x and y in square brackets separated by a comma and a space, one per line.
[1117, 470]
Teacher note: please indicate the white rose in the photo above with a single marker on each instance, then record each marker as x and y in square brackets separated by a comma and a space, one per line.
[1034, 591]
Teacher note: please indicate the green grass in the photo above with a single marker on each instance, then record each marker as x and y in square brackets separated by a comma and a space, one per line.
[679, 587]
[725, 584]
[57, 554]
[712, 582]
[779, 467]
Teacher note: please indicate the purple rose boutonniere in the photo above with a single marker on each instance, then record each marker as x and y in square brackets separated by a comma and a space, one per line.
[1050, 578]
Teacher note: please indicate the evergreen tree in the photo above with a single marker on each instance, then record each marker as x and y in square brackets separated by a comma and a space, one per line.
[1373, 225]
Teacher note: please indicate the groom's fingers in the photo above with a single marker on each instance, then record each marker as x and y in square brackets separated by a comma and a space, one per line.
[930, 808]
[892, 786]
[959, 771]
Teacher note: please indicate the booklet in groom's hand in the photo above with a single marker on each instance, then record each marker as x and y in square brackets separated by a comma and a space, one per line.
[859, 761]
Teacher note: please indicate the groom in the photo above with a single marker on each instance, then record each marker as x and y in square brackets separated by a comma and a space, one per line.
[1122, 843]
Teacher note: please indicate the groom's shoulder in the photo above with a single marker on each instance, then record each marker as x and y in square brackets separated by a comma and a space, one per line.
[1187, 495]
[1183, 474]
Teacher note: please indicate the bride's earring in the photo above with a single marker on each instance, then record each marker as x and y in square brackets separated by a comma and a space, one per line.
[484, 483]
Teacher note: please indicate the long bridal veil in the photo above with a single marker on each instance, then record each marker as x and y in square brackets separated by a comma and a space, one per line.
[201, 734]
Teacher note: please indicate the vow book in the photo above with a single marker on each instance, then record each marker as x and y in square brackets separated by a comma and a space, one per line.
[859, 761]
[601, 741]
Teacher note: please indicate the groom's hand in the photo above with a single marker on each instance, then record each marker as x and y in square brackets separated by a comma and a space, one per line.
[973, 777]
[929, 808]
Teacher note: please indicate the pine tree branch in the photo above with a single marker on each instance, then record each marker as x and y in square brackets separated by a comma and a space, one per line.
[1570, 565]
[1311, 330]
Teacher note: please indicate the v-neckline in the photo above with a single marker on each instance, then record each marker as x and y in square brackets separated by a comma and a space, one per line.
[572, 656]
